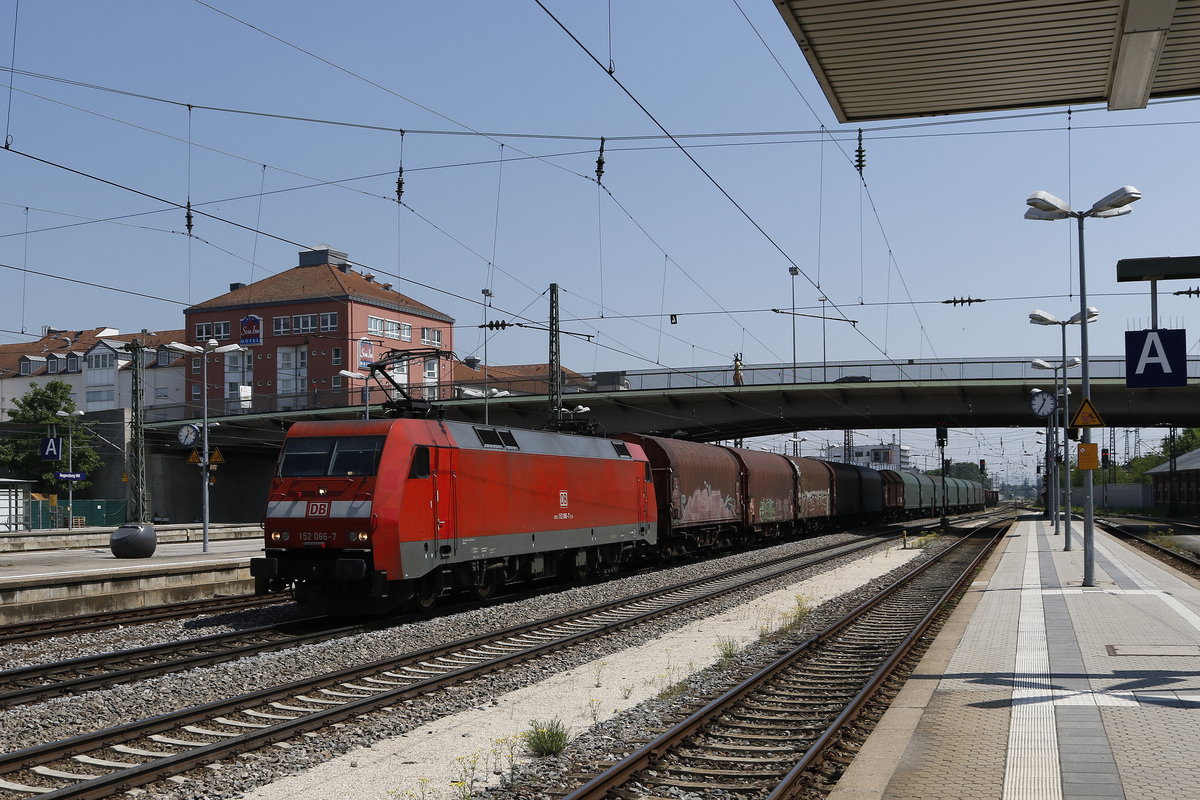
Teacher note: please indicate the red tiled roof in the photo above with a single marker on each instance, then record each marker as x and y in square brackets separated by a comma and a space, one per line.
[74, 341]
[326, 281]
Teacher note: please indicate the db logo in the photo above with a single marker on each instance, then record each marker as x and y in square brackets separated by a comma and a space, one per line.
[318, 508]
[562, 499]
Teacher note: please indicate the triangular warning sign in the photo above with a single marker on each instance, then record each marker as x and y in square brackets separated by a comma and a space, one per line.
[216, 457]
[1087, 416]
[194, 458]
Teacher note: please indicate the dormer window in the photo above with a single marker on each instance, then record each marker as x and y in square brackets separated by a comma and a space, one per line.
[73, 362]
[53, 365]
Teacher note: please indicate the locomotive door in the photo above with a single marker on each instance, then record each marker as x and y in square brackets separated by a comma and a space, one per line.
[445, 520]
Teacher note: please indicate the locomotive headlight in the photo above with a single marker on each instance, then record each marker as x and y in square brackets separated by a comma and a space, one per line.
[361, 536]
[321, 490]
[276, 536]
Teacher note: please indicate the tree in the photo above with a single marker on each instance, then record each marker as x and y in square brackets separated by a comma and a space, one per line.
[1186, 441]
[965, 470]
[33, 416]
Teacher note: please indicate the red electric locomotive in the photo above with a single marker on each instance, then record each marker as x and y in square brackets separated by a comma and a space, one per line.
[368, 515]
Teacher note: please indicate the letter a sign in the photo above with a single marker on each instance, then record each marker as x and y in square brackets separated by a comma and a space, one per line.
[1155, 358]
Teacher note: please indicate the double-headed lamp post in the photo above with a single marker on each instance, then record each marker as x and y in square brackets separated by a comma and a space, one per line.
[1045, 206]
[366, 389]
[70, 415]
[210, 347]
[1039, 317]
[797, 442]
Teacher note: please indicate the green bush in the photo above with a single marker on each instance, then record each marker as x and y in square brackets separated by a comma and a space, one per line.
[547, 738]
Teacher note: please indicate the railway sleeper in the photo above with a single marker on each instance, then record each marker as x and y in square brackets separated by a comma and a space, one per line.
[785, 758]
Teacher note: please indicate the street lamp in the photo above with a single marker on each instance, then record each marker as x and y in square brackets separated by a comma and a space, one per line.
[794, 271]
[70, 415]
[210, 347]
[1045, 206]
[1039, 317]
[366, 389]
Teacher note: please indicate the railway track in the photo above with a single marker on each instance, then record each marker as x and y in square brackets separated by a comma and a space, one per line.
[44, 629]
[758, 739]
[42, 681]
[115, 759]
[1128, 529]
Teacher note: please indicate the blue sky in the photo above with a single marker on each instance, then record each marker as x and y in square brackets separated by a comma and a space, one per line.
[940, 215]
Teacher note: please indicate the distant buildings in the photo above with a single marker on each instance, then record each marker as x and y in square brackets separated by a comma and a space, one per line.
[875, 456]
[303, 327]
[300, 328]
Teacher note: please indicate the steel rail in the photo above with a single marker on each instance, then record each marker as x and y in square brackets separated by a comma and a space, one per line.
[1119, 530]
[38, 681]
[43, 629]
[645, 757]
[787, 786]
[150, 771]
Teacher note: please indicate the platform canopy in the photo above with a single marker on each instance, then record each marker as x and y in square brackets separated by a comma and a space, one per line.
[886, 59]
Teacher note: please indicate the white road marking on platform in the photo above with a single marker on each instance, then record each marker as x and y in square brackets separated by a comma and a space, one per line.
[1144, 584]
[1032, 768]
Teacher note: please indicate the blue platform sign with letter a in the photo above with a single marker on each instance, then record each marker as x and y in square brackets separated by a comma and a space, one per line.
[1155, 358]
[50, 448]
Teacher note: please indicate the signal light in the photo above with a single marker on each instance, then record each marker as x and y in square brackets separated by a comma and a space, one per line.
[942, 435]
[982, 465]
[1104, 462]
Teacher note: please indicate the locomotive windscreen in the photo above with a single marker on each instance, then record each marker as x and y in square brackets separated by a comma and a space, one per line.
[317, 456]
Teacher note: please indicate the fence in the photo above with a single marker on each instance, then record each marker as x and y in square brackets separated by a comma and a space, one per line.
[88, 514]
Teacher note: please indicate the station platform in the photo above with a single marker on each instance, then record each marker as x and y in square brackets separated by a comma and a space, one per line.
[1038, 687]
[41, 584]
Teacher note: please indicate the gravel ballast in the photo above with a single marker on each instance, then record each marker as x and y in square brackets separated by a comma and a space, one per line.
[393, 732]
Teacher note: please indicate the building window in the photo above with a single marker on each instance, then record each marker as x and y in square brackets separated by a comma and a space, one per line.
[164, 357]
[212, 330]
[52, 365]
[304, 323]
[26, 368]
[431, 370]
[375, 326]
[431, 337]
[196, 365]
[281, 326]
[73, 363]
[336, 382]
[195, 391]
[335, 356]
[405, 332]
[392, 329]
[161, 393]
[329, 321]
[102, 360]
[100, 395]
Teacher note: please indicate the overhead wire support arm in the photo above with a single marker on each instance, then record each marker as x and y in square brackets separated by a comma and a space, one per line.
[791, 313]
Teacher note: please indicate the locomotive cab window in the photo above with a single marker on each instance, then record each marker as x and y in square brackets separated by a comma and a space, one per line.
[322, 456]
[420, 463]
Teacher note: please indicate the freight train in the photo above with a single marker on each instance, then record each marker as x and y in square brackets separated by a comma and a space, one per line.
[368, 516]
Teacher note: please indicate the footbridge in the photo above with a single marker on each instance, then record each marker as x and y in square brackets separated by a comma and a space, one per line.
[711, 403]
